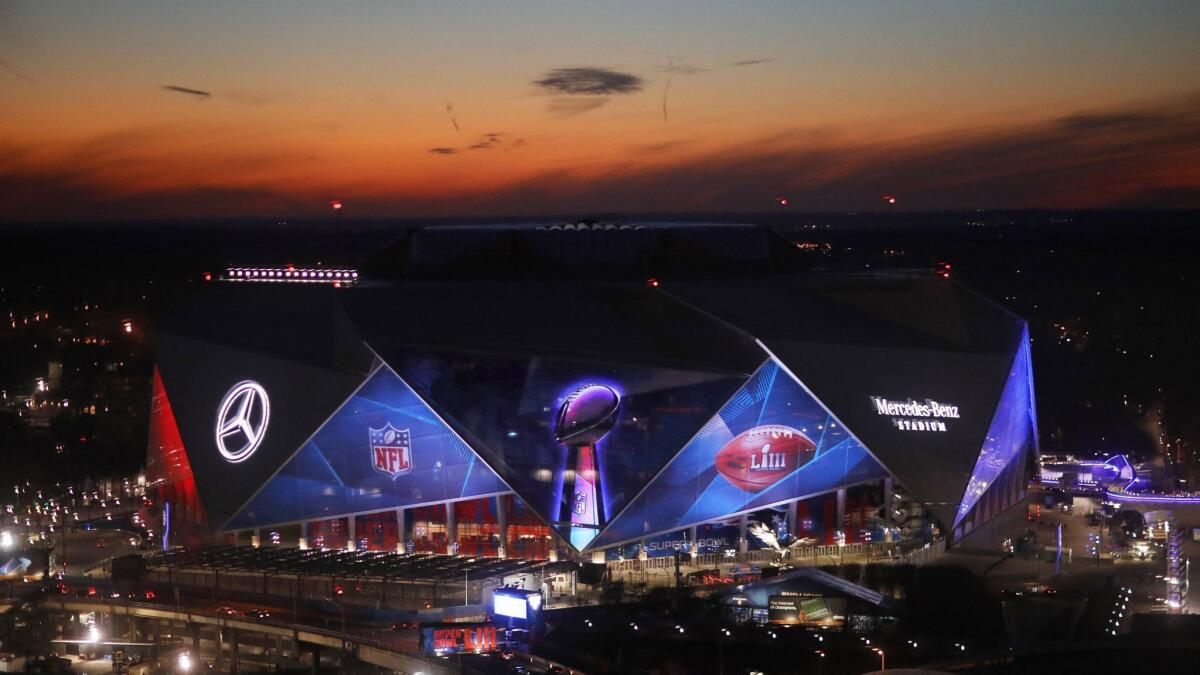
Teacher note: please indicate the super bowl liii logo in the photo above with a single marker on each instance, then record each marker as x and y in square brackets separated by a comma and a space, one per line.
[912, 415]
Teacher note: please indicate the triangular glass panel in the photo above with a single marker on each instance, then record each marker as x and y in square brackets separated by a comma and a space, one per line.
[771, 442]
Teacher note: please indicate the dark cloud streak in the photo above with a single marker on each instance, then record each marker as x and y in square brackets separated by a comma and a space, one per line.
[198, 93]
[488, 141]
[665, 90]
[589, 81]
[681, 69]
[750, 62]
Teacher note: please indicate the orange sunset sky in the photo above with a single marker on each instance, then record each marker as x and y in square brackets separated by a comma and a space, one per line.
[112, 110]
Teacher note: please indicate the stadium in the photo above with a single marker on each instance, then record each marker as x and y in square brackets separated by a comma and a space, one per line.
[589, 392]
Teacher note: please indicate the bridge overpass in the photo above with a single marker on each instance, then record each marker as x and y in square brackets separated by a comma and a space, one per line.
[230, 631]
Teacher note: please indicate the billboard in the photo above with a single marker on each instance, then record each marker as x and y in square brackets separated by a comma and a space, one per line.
[240, 415]
[516, 603]
[382, 448]
[455, 638]
[771, 442]
[520, 414]
[924, 413]
[783, 609]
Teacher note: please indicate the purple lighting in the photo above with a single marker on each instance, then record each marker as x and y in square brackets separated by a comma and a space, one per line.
[584, 417]
[1012, 431]
[1120, 495]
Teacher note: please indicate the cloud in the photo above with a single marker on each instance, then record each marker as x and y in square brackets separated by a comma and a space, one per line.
[750, 62]
[199, 93]
[1113, 158]
[660, 147]
[453, 119]
[1087, 122]
[562, 108]
[488, 141]
[681, 69]
[65, 194]
[589, 82]
[1137, 156]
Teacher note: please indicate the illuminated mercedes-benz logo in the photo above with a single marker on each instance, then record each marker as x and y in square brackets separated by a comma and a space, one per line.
[242, 421]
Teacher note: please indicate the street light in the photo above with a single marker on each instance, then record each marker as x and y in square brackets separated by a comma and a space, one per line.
[882, 658]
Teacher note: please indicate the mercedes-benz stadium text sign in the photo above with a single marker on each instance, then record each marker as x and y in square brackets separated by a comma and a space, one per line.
[911, 415]
[242, 420]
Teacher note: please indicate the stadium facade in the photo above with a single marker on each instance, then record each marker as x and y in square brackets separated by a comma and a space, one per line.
[595, 390]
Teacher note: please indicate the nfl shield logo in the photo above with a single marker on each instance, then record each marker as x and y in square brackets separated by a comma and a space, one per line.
[391, 451]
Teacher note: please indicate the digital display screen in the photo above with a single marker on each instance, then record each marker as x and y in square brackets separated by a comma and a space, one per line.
[771, 442]
[783, 609]
[508, 409]
[220, 396]
[508, 605]
[442, 639]
[381, 449]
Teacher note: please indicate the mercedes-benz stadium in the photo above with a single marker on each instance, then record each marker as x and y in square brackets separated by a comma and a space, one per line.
[587, 391]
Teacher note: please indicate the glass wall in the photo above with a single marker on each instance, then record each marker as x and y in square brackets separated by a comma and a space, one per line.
[1010, 439]
[382, 448]
[427, 528]
[771, 443]
[478, 527]
[508, 409]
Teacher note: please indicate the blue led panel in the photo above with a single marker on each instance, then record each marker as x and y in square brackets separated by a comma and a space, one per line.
[383, 448]
[771, 442]
[1013, 429]
[508, 408]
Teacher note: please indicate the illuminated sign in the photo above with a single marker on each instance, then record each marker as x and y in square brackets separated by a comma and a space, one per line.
[391, 450]
[291, 274]
[798, 608]
[508, 605]
[584, 417]
[242, 420]
[517, 603]
[452, 639]
[759, 457]
[912, 415]
[785, 610]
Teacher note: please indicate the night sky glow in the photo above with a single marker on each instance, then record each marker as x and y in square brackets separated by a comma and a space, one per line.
[129, 109]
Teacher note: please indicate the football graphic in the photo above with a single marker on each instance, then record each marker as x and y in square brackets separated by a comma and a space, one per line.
[757, 458]
[587, 415]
